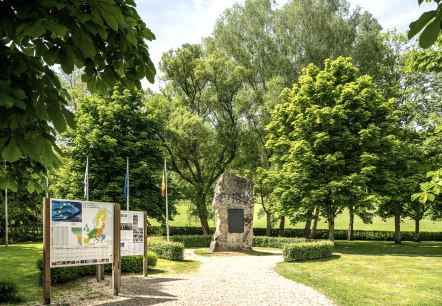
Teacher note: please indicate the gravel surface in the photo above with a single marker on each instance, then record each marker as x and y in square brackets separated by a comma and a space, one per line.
[223, 279]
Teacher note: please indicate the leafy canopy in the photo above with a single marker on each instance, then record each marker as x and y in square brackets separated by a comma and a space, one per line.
[106, 38]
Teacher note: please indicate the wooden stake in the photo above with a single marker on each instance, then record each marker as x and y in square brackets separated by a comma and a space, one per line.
[145, 267]
[116, 263]
[46, 251]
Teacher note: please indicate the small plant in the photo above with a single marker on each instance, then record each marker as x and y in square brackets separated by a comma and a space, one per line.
[9, 292]
[307, 250]
[167, 250]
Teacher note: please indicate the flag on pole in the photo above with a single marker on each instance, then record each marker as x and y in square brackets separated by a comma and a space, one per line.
[86, 180]
[126, 181]
[163, 185]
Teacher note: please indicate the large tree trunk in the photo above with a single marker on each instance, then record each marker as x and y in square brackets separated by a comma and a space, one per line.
[331, 226]
[281, 226]
[269, 224]
[416, 230]
[315, 223]
[202, 212]
[307, 228]
[350, 224]
[397, 224]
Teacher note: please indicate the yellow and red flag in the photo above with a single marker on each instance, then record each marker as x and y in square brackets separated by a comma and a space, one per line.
[163, 185]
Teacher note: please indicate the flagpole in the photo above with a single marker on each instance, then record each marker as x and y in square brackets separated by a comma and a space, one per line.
[167, 202]
[127, 174]
[6, 215]
[87, 178]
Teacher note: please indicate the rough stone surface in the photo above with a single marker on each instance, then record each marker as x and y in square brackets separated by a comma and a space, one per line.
[232, 192]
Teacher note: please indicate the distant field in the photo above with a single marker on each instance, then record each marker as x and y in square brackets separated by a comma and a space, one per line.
[341, 222]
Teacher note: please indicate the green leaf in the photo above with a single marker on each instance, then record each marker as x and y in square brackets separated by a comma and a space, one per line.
[423, 197]
[35, 30]
[430, 34]
[418, 25]
[415, 196]
[438, 129]
[69, 116]
[27, 148]
[431, 197]
[58, 29]
[11, 153]
[6, 101]
[58, 120]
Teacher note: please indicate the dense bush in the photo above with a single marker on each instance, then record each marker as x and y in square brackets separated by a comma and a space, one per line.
[307, 250]
[9, 292]
[131, 264]
[193, 241]
[320, 233]
[274, 242]
[177, 230]
[167, 250]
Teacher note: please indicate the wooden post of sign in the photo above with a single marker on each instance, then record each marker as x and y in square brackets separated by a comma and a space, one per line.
[46, 251]
[116, 262]
[145, 267]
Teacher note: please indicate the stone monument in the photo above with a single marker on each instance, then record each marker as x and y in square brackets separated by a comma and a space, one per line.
[233, 204]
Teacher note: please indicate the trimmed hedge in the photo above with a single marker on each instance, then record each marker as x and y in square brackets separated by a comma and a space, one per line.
[320, 233]
[274, 242]
[193, 241]
[307, 250]
[131, 264]
[9, 292]
[167, 250]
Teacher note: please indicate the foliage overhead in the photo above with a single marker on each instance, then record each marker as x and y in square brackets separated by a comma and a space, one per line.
[105, 38]
[429, 25]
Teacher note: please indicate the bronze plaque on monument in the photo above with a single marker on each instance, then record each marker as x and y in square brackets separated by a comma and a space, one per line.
[236, 220]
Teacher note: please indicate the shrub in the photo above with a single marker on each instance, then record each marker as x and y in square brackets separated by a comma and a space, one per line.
[131, 264]
[167, 250]
[9, 292]
[307, 250]
[274, 242]
[193, 241]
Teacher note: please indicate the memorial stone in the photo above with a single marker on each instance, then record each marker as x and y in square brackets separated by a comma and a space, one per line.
[233, 204]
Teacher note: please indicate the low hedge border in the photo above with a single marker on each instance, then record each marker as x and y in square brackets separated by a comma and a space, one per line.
[131, 264]
[320, 233]
[169, 250]
[274, 242]
[307, 250]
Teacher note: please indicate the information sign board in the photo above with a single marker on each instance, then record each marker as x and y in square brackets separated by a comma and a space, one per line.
[81, 232]
[132, 233]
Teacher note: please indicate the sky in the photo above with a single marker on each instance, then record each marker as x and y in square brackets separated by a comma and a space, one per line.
[175, 22]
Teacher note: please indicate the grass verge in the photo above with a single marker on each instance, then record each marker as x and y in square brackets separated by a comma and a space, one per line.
[18, 263]
[374, 273]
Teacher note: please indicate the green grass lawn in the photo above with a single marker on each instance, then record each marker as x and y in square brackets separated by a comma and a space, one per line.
[374, 273]
[18, 263]
[341, 222]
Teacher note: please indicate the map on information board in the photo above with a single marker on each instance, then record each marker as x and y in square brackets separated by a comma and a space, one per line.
[81, 232]
[132, 233]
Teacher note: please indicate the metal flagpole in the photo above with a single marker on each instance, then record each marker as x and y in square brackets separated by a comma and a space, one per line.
[86, 178]
[167, 202]
[6, 215]
[127, 178]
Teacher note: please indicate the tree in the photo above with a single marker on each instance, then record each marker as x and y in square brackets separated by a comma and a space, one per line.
[203, 119]
[274, 44]
[111, 128]
[329, 138]
[106, 38]
[417, 104]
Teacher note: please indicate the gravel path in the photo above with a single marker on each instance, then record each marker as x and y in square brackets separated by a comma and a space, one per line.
[224, 279]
